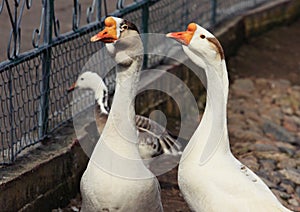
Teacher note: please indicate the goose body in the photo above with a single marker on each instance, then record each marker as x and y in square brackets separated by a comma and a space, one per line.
[116, 178]
[209, 176]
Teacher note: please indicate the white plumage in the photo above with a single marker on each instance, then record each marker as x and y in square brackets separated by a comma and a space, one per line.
[116, 178]
[209, 176]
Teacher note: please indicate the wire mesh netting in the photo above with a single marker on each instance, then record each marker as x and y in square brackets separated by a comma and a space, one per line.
[19, 107]
[34, 84]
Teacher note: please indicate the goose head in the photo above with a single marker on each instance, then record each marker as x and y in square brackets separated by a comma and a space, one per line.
[199, 43]
[92, 81]
[122, 40]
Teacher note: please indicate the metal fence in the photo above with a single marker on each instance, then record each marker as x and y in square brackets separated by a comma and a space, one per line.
[36, 73]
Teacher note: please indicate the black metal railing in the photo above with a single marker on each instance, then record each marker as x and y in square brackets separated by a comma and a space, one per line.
[36, 71]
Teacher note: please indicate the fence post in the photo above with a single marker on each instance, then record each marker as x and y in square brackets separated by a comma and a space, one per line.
[98, 10]
[145, 19]
[46, 68]
[11, 157]
[185, 11]
[213, 17]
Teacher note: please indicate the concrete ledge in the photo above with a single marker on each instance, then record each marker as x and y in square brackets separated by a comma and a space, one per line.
[46, 177]
[49, 176]
[237, 30]
[267, 16]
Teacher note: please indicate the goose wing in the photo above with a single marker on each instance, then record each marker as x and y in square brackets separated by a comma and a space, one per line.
[157, 137]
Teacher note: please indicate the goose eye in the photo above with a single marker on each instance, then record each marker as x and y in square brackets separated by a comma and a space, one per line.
[124, 27]
[82, 78]
[202, 36]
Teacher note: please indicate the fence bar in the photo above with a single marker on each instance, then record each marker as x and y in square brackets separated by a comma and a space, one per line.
[145, 20]
[185, 14]
[213, 18]
[11, 117]
[46, 68]
[98, 10]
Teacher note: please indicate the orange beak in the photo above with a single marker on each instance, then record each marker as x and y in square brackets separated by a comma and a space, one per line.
[109, 33]
[72, 88]
[184, 37]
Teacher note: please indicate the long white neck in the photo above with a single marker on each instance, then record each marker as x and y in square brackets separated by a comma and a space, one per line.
[117, 152]
[211, 136]
[120, 133]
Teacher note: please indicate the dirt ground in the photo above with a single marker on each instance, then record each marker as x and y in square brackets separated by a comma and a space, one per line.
[271, 56]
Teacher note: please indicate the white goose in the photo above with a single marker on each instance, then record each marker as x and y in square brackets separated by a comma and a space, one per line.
[209, 176]
[116, 178]
[154, 140]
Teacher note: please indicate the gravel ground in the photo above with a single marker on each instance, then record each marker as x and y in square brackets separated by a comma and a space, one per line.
[263, 117]
[264, 125]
